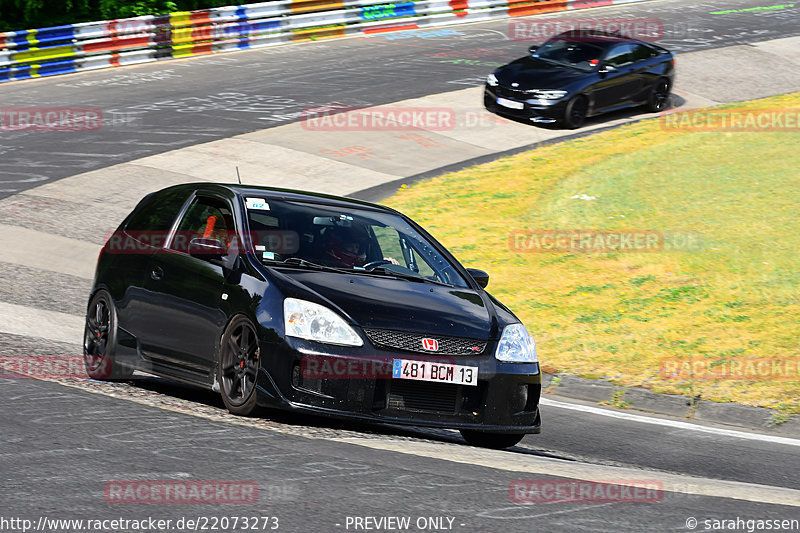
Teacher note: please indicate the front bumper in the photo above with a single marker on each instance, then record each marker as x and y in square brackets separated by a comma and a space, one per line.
[505, 400]
[535, 110]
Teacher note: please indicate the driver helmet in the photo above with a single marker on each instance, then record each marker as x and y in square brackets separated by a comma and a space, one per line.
[347, 246]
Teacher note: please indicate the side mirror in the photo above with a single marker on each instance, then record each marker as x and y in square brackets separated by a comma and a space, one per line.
[480, 277]
[607, 69]
[532, 49]
[207, 248]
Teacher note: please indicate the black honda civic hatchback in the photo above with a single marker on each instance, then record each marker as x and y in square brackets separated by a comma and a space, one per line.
[313, 303]
[579, 74]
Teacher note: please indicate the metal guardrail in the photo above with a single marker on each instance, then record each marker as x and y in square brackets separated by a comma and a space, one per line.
[95, 45]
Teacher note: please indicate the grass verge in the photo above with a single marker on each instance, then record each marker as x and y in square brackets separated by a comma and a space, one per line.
[712, 312]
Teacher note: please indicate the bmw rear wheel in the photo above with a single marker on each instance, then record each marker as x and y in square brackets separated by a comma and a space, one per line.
[659, 96]
[575, 112]
[100, 340]
[238, 367]
[496, 441]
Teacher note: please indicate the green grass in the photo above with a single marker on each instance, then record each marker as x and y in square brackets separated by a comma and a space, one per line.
[724, 287]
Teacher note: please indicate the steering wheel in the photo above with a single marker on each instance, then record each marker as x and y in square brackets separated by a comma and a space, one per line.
[374, 264]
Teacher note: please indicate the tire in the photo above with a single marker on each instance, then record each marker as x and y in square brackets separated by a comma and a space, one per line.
[575, 112]
[100, 340]
[495, 441]
[658, 100]
[237, 368]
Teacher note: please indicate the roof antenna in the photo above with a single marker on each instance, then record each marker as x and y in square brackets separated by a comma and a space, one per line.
[237, 175]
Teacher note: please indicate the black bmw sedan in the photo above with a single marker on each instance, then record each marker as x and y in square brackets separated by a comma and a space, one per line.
[580, 74]
[314, 303]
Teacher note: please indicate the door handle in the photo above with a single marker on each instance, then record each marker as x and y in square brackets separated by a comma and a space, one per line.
[157, 273]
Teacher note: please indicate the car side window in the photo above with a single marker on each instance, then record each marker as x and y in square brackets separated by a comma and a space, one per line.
[206, 218]
[153, 217]
[389, 241]
[642, 52]
[391, 245]
[619, 56]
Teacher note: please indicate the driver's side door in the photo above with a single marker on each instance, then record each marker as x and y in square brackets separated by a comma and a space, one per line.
[187, 308]
[617, 85]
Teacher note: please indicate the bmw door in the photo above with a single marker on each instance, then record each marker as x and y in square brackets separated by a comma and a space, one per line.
[619, 81]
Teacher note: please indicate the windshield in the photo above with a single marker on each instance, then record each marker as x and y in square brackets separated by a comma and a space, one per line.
[343, 239]
[577, 54]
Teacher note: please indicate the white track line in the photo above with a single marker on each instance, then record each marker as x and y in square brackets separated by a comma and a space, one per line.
[544, 466]
[674, 424]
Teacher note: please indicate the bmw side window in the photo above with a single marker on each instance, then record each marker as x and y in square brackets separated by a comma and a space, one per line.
[620, 56]
[642, 52]
[206, 218]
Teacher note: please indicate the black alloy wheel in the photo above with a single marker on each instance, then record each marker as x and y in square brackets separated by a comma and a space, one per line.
[575, 113]
[238, 367]
[659, 96]
[100, 340]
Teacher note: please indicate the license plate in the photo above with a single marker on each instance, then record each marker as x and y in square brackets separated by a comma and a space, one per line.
[505, 102]
[437, 372]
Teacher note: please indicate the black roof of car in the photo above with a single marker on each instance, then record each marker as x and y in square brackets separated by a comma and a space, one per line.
[593, 33]
[595, 36]
[277, 193]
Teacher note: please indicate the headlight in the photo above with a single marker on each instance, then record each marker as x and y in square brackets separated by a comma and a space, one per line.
[547, 95]
[516, 345]
[491, 80]
[315, 322]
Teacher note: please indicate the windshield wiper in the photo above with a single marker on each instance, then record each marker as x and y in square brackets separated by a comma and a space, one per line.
[300, 262]
[401, 275]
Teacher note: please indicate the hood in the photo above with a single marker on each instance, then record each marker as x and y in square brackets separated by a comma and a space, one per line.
[390, 303]
[532, 73]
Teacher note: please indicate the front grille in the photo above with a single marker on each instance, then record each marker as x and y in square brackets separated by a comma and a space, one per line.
[412, 342]
[512, 93]
[408, 395]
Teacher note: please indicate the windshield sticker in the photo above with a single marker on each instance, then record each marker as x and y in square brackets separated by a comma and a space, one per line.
[260, 248]
[268, 255]
[258, 204]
